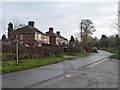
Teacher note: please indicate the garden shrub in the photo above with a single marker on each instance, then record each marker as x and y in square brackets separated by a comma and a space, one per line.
[9, 52]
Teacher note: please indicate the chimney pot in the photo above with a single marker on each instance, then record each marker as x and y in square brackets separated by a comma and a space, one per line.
[31, 23]
[58, 32]
[51, 29]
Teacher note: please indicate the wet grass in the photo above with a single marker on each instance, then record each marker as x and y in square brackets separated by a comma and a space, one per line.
[116, 56]
[0, 66]
[114, 51]
[80, 54]
[11, 66]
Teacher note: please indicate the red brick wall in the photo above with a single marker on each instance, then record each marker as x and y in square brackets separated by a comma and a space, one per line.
[52, 40]
[28, 38]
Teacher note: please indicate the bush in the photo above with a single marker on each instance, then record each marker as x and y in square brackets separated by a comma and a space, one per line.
[73, 50]
[9, 52]
[52, 50]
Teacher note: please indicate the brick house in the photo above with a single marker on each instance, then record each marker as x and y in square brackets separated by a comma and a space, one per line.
[52, 36]
[60, 40]
[29, 35]
[56, 39]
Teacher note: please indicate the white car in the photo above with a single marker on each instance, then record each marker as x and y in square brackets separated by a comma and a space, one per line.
[94, 49]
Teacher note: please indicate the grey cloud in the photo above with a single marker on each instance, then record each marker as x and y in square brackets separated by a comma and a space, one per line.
[63, 16]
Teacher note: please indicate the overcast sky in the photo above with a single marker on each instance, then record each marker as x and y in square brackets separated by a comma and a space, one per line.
[62, 15]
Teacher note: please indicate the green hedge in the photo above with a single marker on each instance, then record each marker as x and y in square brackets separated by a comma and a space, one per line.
[9, 52]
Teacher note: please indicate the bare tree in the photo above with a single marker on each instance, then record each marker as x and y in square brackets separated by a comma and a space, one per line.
[86, 28]
[116, 26]
[17, 23]
[77, 36]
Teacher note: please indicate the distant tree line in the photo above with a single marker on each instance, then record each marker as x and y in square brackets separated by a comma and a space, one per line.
[111, 41]
[11, 27]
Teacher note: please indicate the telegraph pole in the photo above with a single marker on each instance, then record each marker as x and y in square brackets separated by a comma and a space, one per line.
[81, 35]
[81, 30]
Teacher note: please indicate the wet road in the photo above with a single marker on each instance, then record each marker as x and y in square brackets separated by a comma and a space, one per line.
[37, 76]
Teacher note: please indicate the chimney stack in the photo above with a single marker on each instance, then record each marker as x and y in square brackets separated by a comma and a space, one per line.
[58, 32]
[51, 29]
[31, 23]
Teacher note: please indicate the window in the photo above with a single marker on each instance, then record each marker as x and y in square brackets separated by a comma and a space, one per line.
[36, 36]
[21, 37]
[39, 37]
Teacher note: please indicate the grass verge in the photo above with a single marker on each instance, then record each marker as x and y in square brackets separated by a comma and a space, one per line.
[114, 51]
[0, 66]
[11, 66]
[80, 54]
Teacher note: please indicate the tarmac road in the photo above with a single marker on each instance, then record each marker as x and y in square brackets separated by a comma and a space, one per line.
[50, 75]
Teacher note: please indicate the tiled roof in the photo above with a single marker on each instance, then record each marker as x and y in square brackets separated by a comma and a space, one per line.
[62, 37]
[50, 33]
[27, 29]
[36, 30]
